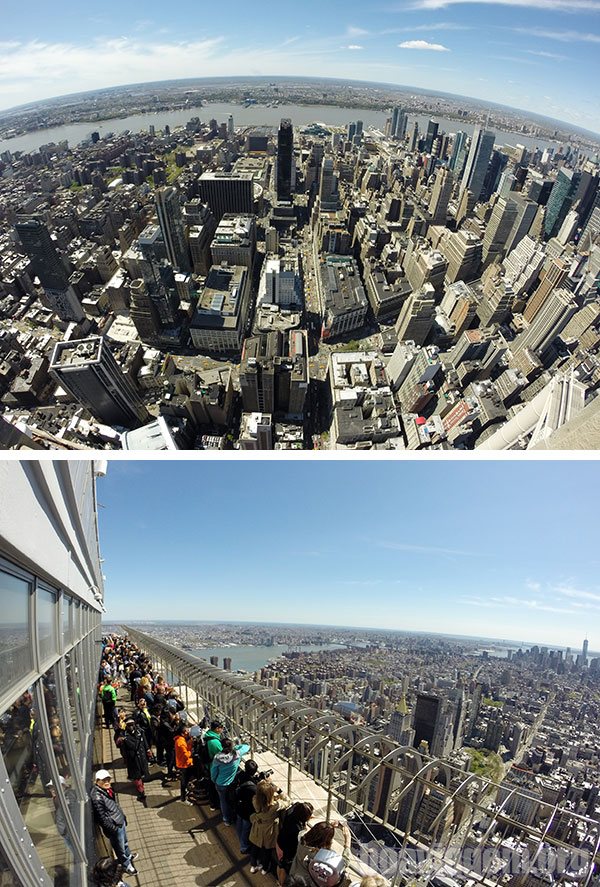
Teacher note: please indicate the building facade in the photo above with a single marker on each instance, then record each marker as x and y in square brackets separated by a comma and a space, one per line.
[52, 592]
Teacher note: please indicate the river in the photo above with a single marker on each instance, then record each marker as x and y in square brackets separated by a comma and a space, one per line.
[253, 115]
[251, 659]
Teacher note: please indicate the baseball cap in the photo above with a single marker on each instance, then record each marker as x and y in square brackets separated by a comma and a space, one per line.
[102, 774]
[61, 779]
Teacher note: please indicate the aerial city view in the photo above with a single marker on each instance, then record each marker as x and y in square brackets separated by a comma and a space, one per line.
[368, 229]
[312, 701]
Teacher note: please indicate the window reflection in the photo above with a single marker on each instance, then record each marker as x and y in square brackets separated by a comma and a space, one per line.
[66, 628]
[15, 654]
[73, 690]
[28, 762]
[46, 626]
[7, 876]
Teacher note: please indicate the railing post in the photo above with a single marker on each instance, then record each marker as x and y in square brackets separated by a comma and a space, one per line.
[289, 779]
[329, 781]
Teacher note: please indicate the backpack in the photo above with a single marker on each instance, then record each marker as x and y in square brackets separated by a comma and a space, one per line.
[326, 868]
[107, 694]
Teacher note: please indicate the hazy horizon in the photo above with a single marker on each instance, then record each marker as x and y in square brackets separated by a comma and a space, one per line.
[401, 88]
[507, 642]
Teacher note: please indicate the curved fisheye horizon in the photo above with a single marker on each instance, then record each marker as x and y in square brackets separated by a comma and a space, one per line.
[382, 96]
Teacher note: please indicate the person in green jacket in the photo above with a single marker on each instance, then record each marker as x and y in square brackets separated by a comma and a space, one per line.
[212, 741]
[108, 695]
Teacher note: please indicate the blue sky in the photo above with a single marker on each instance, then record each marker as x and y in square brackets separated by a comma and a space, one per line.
[495, 549]
[541, 55]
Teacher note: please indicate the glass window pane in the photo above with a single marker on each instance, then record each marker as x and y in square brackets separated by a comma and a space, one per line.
[7, 876]
[66, 618]
[73, 690]
[15, 652]
[76, 620]
[27, 761]
[46, 625]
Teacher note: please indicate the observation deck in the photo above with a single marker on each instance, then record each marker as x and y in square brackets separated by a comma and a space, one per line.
[416, 820]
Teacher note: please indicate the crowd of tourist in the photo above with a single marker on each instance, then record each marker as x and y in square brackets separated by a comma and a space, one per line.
[276, 834]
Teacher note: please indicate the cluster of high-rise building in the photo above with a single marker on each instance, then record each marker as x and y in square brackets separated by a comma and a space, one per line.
[170, 255]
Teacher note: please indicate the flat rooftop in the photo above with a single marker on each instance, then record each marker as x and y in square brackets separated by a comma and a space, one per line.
[77, 353]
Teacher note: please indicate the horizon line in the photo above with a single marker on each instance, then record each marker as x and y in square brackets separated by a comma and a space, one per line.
[380, 83]
[418, 632]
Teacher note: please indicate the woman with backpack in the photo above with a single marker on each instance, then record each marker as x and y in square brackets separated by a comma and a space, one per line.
[315, 863]
[135, 753]
[293, 821]
[268, 803]
[244, 795]
[223, 771]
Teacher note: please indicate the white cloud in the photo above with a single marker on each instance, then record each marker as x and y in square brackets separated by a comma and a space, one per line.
[548, 5]
[577, 593]
[437, 26]
[428, 549]
[563, 36]
[515, 602]
[423, 44]
[354, 46]
[547, 55]
[351, 31]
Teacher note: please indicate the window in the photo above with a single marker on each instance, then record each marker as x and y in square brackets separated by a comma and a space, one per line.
[15, 649]
[67, 630]
[73, 690]
[7, 876]
[46, 623]
[28, 762]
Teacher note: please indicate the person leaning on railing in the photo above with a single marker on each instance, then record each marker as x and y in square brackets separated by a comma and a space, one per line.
[320, 838]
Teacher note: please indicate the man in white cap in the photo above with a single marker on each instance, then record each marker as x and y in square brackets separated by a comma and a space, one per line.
[112, 819]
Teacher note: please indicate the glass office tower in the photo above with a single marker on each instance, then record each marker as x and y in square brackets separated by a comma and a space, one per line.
[51, 596]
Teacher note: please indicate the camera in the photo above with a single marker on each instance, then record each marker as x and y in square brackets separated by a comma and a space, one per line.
[264, 774]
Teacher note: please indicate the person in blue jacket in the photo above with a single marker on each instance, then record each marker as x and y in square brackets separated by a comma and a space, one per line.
[223, 771]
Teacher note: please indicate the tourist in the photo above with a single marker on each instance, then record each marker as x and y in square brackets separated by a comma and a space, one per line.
[318, 838]
[183, 760]
[112, 820]
[293, 821]
[223, 771]
[212, 744]
[244, 794]
[268, 803]
[108, 695]
[135, 754]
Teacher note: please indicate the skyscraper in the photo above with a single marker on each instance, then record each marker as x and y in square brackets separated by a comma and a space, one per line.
[89, 372]
[440, 197]
[459, 153]
[560, 200]
[328, 191]
[227, 192]
[285, 157]
[398, 125]
[432, 131]
[416, 316]
[482, 144]
[171, 223]
[549, 321]
[47, 265]
[498, 228]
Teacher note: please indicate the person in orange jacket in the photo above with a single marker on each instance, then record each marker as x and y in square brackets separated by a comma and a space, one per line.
[183, 760]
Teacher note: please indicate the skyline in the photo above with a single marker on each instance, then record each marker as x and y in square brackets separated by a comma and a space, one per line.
[527, 54]
[479, 577]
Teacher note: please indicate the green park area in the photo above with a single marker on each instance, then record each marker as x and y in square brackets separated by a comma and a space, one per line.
[485, 763]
